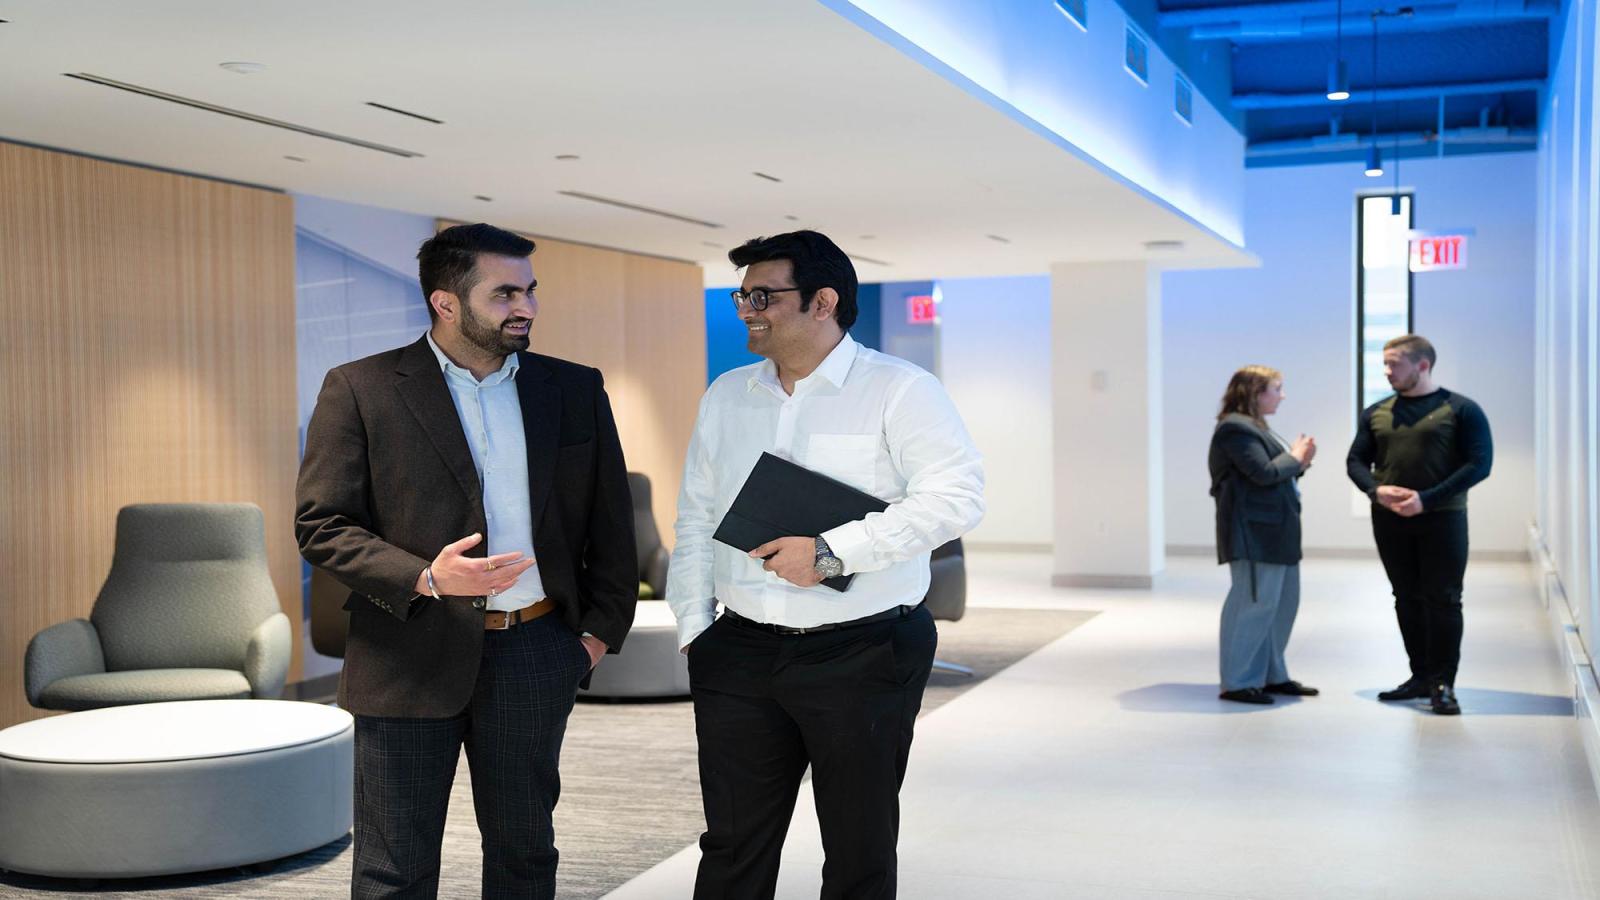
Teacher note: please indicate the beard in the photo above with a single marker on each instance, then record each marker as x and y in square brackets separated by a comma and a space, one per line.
[488, 337]
[1405, 384]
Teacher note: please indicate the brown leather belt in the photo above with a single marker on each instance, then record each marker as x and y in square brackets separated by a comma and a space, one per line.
[501, 619]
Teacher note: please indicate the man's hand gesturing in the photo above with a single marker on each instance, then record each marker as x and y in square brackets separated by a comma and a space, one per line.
[474, 576]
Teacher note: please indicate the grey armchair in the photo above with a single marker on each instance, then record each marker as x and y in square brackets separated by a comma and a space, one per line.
[947, 592]
[188, 612]
[653, 553]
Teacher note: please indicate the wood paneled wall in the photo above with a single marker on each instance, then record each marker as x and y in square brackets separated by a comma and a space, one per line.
[641, 321]
[147, 353]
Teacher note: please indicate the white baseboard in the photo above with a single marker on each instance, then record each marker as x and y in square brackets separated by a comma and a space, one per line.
[1008, 546]
[1115, 582]
[1493, 556]
[1552, 595]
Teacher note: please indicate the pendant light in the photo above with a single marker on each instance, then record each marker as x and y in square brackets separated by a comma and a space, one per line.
[1374, 157]
[1338, 73]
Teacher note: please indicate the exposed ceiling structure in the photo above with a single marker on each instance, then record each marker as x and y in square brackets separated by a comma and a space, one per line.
[672, 129]
[1451, 77]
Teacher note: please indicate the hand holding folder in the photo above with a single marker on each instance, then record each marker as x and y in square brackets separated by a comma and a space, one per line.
[783, 499]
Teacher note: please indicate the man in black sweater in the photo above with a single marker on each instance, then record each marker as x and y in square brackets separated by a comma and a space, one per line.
[1416, 453]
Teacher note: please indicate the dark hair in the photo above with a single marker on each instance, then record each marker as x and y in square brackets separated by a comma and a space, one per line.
[448, 261]
[818, 263]
[1415, 347]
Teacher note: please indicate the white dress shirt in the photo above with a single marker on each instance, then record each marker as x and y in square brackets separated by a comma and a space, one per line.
[491, 416]
[870, 420]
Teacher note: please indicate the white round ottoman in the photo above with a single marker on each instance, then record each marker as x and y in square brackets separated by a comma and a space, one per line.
[649, 664]
[163, 788]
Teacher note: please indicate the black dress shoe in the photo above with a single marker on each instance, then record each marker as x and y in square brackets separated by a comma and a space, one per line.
[1291, 689]
[1411, 689]
[1443, 700]
[1246, 695]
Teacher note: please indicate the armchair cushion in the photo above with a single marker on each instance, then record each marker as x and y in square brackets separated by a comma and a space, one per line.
[81, 692]
[266, 660]
[60, 651]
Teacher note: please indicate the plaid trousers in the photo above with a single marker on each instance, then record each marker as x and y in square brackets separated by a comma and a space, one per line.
[512, 729]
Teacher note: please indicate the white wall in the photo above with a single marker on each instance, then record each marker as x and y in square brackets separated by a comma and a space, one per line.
[383, 236]
[1296, 313]
[1568, 304]
[994, 359]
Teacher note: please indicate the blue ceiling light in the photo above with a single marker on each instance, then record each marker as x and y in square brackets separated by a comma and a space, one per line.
[1338, 81]
[1338, 75]
[1374, 158]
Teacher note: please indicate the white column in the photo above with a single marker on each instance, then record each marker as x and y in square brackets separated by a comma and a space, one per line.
[1106, 379]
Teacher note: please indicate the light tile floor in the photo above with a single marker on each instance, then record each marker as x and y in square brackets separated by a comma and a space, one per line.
[1103, 766]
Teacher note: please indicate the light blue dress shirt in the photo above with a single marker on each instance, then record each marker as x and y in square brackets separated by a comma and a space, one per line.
[491, 415]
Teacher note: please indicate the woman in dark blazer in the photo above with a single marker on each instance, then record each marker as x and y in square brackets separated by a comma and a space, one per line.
[1253, 478]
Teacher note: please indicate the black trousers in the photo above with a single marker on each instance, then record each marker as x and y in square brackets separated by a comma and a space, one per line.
[1425, 557]
[512, 729]
[767, 705]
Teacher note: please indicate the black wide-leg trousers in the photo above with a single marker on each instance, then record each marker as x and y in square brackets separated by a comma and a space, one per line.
[767, 705]
[1425, 557]
[512, 729]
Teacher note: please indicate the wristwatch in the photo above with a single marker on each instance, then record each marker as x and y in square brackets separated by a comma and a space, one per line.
[827, 565]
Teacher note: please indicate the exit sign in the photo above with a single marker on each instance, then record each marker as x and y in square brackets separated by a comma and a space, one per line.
[920, 310]
[1439, 251]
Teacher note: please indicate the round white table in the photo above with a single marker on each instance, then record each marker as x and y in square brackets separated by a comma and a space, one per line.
[163, 788]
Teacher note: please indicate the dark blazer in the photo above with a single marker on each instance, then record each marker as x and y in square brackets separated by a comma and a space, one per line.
[388, 480]
[1252, 478]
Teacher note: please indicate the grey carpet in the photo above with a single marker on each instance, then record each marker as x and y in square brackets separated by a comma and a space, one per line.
[630, 790]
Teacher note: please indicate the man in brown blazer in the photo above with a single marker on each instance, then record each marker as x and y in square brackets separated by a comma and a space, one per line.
[474, 498]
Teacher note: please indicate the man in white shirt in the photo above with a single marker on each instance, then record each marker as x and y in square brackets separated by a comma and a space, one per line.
[794, 673]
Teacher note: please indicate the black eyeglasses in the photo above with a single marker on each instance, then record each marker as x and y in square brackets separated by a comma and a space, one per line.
[758, 299]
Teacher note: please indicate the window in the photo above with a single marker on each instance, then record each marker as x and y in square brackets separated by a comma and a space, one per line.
[1136, 56]
[1183, 101]
[1077, 11]
[1383, 289]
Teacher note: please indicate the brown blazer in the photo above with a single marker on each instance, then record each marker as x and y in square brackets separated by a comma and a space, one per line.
[387, 481]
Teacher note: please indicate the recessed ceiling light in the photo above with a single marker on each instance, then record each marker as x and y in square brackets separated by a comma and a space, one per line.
[243, 68]
[1163, 246]
[792, 218]
[767, 177]
[483, 198]
[867, 237]
[710, 244]
[996, 237]
[567, 156]
[294, 158]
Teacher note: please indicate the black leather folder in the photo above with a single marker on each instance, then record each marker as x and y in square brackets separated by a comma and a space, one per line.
[782, 499]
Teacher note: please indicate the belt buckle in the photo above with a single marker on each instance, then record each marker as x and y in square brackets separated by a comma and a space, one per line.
[505, 621]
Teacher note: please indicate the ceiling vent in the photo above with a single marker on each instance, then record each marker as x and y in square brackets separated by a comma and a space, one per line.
[403, 112]
[238, 114]
[620, 204]
[868, 259]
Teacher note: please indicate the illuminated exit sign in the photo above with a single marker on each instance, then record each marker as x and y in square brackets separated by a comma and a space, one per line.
[921, 310]
[1438, 251]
